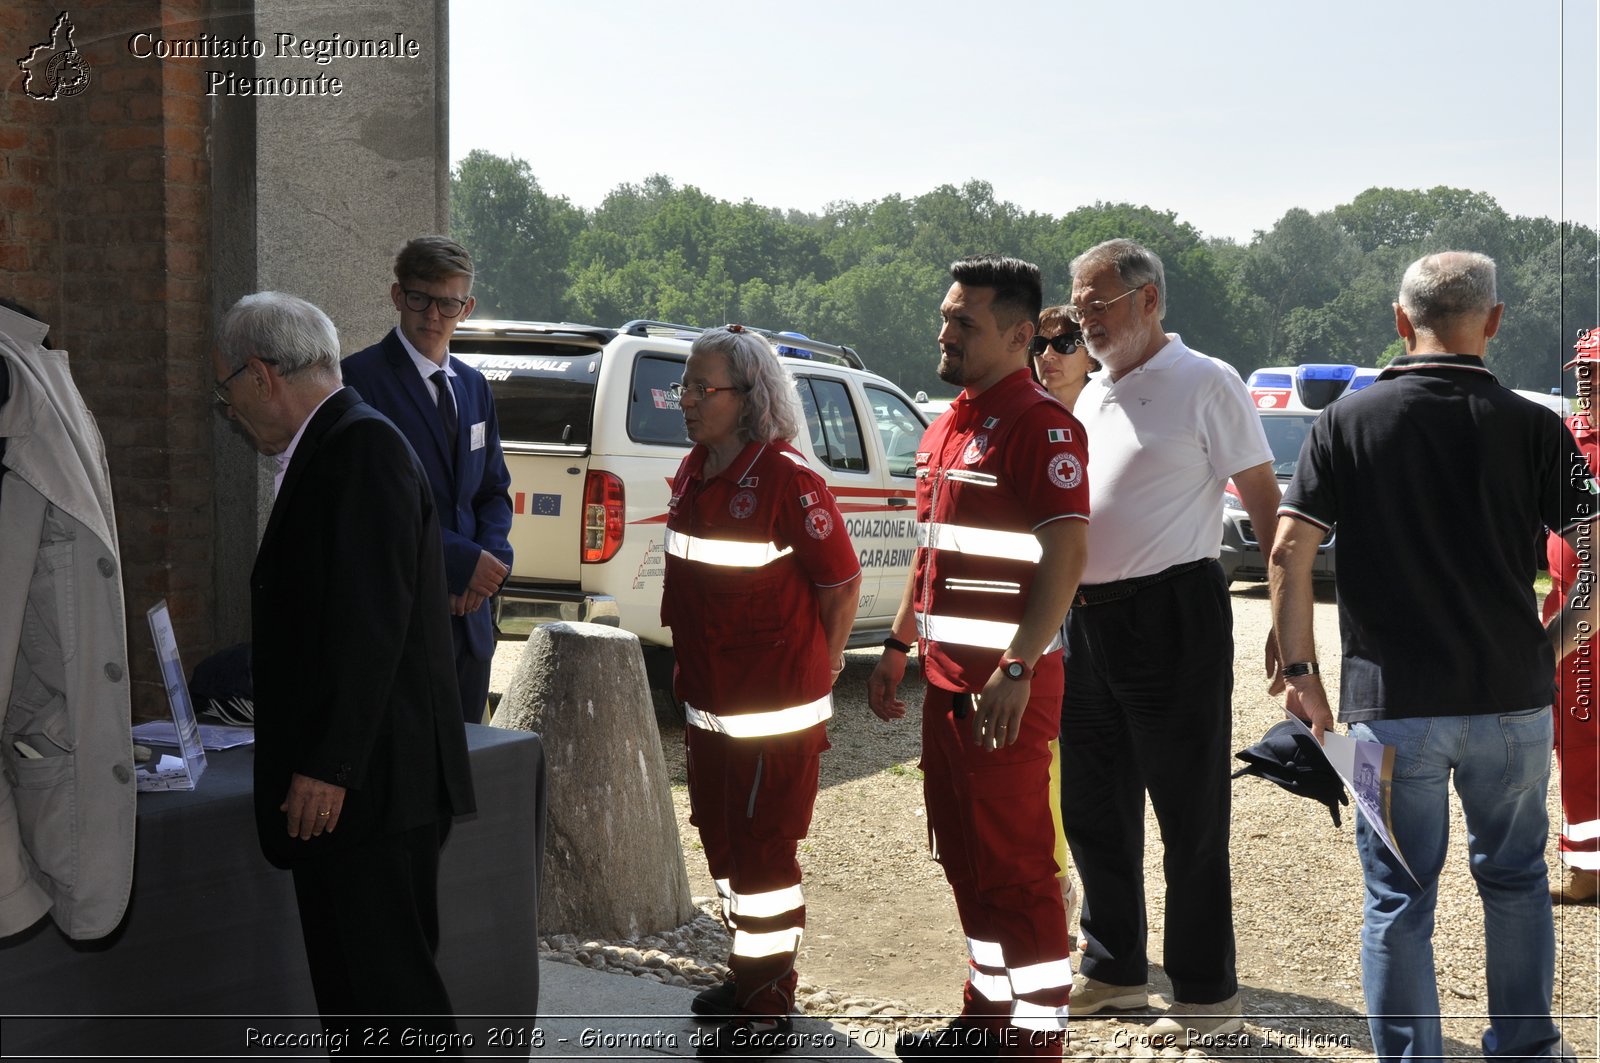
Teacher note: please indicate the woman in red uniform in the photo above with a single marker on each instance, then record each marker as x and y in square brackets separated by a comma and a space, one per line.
[761, 585]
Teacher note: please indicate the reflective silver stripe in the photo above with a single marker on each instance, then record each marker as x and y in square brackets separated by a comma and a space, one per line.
[986, 953]
[1588, 861]
[982, 479]
[1582, 832]
[980, 542]
[774, 943]
[964, 631]
[766, 905]
[762, 724]
[725, 895]
[1052, 974]
[984, 586]
[990, 986]
[725, 552]
[1031, 1016]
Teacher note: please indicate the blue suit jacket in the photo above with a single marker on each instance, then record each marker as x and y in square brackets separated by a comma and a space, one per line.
[472, 492]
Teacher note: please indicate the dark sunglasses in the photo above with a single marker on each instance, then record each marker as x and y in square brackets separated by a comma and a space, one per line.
[1065, 343]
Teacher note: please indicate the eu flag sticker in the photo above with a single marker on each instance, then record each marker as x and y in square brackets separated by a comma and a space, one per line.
[546, 505]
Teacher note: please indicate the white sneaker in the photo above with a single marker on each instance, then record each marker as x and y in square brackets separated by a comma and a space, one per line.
[1090, 996]
[1186, 1024]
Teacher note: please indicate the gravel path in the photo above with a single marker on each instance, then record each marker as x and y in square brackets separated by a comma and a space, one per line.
[883, 944]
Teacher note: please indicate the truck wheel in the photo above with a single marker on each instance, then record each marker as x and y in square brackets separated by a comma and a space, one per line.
[658, 665]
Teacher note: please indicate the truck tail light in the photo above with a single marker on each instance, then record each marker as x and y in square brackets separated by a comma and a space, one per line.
[603, 513]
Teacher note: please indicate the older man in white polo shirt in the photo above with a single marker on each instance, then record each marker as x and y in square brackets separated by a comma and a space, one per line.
[1150, 646]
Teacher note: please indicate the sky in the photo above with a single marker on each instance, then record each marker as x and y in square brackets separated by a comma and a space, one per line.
[1226, 112]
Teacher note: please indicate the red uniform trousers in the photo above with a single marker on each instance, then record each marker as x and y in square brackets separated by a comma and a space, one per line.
[751, 799]
[992, 828]
[1578, 753]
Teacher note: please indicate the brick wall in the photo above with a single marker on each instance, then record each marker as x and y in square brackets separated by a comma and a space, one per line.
[105, 232]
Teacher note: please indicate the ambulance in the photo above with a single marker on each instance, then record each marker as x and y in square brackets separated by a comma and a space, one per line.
[592, 437]
[1306, 387]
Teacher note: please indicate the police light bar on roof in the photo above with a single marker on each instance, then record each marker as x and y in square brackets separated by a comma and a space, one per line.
[1306, 387]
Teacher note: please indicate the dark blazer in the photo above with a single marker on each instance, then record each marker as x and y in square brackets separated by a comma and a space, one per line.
[472, 491]
[355, 679]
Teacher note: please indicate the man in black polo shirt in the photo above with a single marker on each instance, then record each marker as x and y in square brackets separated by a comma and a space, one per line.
[1440, 480]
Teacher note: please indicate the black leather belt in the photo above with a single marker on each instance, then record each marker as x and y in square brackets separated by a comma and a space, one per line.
[1101, 593]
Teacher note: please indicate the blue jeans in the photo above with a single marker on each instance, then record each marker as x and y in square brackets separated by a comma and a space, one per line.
[1502, 772]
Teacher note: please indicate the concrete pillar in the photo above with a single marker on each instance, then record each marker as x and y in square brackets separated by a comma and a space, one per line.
[613, 863]
[313, 195]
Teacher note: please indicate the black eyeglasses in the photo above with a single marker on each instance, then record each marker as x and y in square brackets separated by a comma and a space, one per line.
[220, 390]
[1065, 343]
[418, 302]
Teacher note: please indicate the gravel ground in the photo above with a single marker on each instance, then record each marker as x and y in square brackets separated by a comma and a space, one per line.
[883, 944]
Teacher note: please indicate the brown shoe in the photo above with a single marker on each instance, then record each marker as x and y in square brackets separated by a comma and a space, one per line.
[1576, 887]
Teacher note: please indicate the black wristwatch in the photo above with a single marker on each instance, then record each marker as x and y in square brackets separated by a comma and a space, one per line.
[1300, 668]
[1015, 669]
[892, 643]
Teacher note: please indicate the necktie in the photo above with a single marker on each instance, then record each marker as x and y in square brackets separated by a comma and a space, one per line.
[447, 407]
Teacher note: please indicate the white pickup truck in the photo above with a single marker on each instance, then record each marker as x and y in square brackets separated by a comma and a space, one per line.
[592, 437]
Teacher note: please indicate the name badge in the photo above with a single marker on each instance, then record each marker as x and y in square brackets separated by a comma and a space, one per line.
[478, 435]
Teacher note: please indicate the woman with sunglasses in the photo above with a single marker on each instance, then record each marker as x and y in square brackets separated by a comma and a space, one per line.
[1059, 356]
[761, 590]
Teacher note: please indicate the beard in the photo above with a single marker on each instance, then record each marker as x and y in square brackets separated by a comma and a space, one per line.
[952, 370]
[1117, 352]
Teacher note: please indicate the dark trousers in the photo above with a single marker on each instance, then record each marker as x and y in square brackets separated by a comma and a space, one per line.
[1148, 708]
[370, 917]
[472, 675]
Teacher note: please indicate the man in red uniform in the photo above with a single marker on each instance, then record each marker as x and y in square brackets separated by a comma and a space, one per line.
[761, 592]
[1002, 511]
[1577, 733]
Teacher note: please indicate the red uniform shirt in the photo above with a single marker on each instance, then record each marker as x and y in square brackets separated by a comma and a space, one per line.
[746, 551]
[1575, 675]
[991, 471]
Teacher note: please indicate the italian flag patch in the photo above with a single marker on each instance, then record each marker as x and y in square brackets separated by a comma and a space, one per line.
[808, 500]
[1060, 435]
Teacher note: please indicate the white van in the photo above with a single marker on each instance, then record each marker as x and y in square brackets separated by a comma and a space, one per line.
[593, 437]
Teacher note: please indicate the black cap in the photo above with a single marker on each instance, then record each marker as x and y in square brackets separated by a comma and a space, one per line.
[1290, 757]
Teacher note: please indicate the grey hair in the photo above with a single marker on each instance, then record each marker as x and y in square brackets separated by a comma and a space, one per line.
[1437, 289]
[282, 329]
[771, 407]
[1136, 266]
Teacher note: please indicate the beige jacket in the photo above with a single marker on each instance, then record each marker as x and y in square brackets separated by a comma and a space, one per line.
[67, 814]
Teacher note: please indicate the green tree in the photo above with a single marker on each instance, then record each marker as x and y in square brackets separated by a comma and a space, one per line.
[519, 238]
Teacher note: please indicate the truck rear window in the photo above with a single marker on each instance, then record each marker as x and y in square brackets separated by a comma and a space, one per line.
[653, 414]
[543, 393]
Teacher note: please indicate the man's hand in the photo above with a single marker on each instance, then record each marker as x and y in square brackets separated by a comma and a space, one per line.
[470, 602]
[997, 712]
[1307, 700]
[1274, 664]
[486, 578]
[312, 806]
[881, 686]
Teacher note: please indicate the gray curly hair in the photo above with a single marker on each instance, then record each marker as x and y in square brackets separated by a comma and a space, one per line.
[771, 407]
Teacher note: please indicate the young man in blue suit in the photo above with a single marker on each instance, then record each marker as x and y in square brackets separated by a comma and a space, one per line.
[444, 408]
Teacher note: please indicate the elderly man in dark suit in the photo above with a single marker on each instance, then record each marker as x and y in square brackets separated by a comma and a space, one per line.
[361, 755]
[446, 411]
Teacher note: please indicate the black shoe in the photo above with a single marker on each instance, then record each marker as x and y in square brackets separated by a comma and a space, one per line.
[955, 1041]
[749, 1037]
[718, 1002]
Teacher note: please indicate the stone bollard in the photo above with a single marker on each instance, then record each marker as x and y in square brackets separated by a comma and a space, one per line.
[613, 865]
